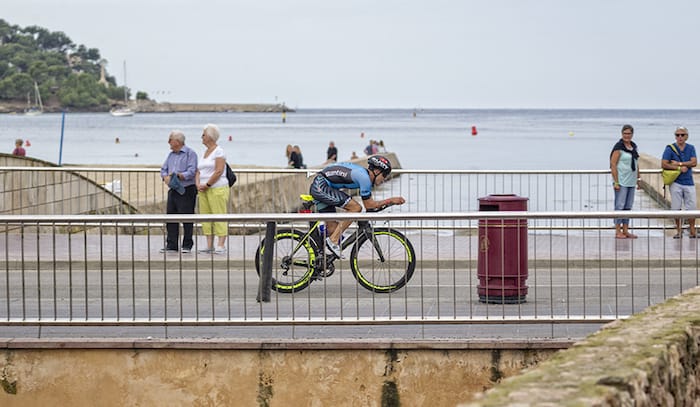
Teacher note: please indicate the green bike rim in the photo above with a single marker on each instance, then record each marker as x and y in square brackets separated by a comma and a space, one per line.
[385, 287]
[309, 270]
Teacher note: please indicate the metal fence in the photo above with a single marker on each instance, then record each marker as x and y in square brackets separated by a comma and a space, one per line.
[104, 275]
[87, 190]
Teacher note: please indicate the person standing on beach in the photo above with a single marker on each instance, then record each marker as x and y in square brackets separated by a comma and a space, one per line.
[19, 151]
[178, 172]
[624, 168]
[331, 153]
[213, 188]
[683, 189]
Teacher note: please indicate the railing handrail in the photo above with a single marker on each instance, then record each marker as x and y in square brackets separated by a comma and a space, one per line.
[291, 217]
[314, 170]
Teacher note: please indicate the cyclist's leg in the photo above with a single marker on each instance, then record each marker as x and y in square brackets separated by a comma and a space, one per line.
[322, 192]
[350, 206]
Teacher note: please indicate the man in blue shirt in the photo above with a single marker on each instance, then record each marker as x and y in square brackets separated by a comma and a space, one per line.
[683, 189]
[180, 163]
[325, 188]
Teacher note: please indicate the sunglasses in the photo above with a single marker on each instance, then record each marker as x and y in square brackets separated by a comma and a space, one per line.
[680, 135]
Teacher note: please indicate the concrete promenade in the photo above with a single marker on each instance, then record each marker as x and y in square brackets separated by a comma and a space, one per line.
[591, 247]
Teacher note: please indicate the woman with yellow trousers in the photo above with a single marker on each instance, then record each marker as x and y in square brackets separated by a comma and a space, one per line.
[213, 189]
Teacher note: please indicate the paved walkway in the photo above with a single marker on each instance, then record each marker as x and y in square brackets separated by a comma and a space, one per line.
[429, 246]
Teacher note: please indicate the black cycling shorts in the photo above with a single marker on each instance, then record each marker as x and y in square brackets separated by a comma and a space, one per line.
[324, 193]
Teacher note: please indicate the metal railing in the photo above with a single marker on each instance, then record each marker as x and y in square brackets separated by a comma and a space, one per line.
[106, 272]
[90, 190]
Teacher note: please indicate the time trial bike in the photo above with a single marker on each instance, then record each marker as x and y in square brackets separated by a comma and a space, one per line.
[382, 259]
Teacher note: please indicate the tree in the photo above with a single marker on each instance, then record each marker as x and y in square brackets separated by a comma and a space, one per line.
[16, 86]
[57, 65]
[140, 95]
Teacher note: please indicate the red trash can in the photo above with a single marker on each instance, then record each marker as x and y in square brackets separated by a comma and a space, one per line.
[502, 261]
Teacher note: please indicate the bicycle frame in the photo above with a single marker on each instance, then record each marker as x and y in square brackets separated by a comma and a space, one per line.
[313, 233]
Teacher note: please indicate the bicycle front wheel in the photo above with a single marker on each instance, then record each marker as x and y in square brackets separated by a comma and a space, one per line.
[383, 261]
[291, 269]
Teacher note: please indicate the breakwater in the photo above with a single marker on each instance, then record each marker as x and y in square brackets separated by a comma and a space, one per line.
[149, 106]
[145, 106]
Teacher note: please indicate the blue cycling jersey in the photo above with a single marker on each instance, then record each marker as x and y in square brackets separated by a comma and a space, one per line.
[349, 175]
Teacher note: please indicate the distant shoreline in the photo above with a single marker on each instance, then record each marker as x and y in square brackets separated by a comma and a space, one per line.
[147, 106]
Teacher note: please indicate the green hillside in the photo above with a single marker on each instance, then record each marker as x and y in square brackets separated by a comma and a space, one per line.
[68, 75]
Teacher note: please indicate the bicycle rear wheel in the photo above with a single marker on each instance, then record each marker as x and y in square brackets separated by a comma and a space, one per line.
[291, 271]
[383, 261]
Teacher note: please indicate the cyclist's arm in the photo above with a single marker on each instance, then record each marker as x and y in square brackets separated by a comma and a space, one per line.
[371, 205]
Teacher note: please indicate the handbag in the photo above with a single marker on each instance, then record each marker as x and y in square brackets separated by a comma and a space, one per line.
[669, 176]
[230, 175]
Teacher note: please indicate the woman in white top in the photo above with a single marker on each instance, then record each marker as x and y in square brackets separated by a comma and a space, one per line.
[213, 189]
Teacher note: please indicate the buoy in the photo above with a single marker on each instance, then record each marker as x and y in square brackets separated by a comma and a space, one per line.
[571, 134]
[230, 138]
[27, 143]
[474, 132]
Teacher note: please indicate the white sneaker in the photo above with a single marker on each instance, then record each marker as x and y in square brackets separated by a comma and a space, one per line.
[332, 247]
[220, 250]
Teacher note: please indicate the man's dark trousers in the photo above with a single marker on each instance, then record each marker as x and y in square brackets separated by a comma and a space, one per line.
[182, 205]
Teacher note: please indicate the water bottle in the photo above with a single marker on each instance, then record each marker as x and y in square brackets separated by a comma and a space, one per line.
[322, 229]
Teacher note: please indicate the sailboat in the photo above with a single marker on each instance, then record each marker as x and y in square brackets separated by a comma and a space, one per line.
[123, 111]
[38, 107]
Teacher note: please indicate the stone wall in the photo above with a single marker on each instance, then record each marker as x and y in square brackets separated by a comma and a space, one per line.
[53, 192]
[162, 373]
[650, 359]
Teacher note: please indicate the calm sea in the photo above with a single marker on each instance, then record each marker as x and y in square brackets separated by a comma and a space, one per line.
[432, 139]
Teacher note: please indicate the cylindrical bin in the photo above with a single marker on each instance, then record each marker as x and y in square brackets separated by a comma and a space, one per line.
[502, 262]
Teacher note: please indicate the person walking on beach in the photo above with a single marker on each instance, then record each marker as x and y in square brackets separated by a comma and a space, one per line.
[213, 188]
[331, 153]
[19, 151]
[683, 189]
[624, 168]
[178, 172]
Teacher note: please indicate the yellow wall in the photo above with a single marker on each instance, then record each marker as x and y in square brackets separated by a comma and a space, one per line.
[251, 377]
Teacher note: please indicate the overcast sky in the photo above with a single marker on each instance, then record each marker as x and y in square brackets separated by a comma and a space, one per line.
[391, 53]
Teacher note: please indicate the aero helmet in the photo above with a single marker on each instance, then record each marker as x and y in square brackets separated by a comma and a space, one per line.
[381, 163]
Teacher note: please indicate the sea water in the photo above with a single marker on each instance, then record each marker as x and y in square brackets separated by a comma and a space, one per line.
[508, 139]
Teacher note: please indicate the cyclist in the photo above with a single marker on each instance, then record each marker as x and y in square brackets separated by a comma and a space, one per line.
[325, 188]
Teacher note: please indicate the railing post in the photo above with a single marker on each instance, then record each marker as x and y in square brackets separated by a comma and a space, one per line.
[265, 282]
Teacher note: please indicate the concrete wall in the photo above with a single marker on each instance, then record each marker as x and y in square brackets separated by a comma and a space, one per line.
[49, 192]
[650, 359]
[346, 374]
